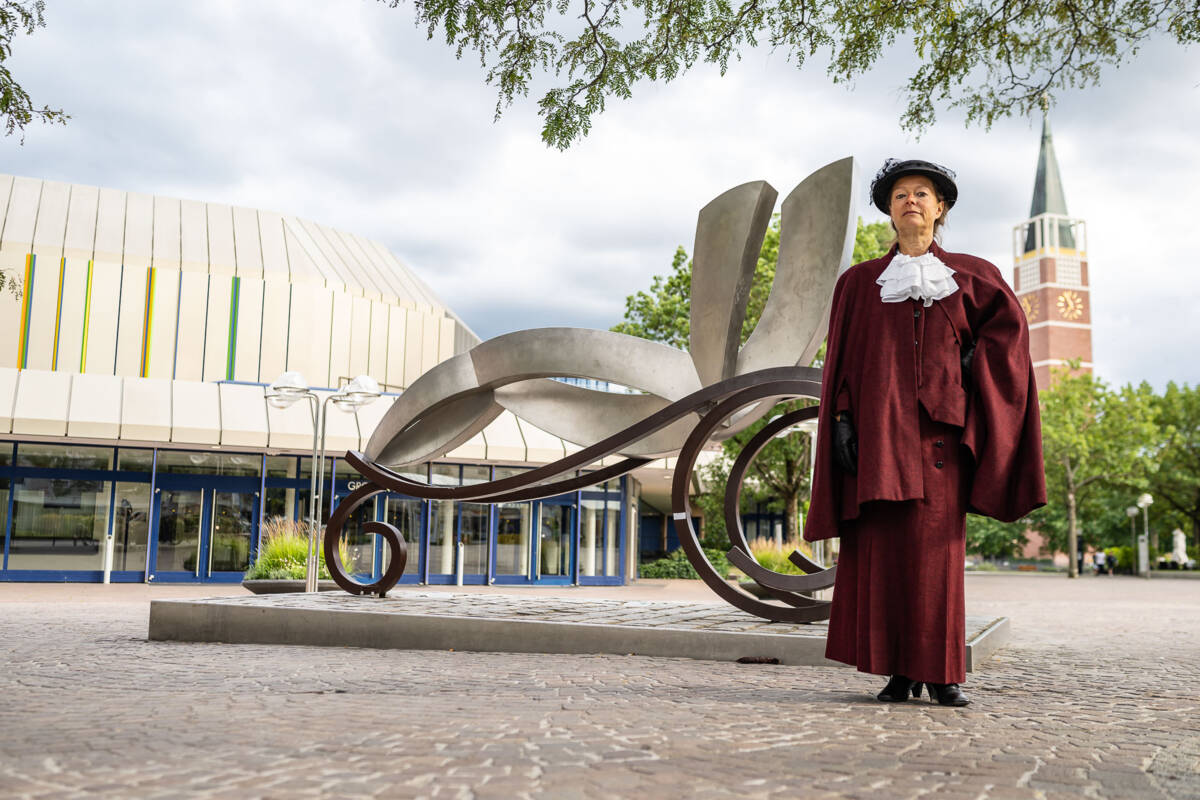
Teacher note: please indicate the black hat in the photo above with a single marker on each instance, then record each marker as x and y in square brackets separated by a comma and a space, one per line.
[893, 168]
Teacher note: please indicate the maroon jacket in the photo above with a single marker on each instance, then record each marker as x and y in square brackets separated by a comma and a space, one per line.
[882, 359]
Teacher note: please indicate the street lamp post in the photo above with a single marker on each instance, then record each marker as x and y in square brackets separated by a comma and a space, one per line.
[1144, 502]
[282, 393]
[1132, 512]
[359, 392]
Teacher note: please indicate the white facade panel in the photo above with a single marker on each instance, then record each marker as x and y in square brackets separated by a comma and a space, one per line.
[306, 258]
[42, 401]
[243, 415]
[216, 328]
[11, 263]
[503, 437]
[341, 428]
[22, 215]
[100, 326]
[308, 333]
[6, 184]
[407, 287]
[339, 340]
[146, 410]
[363, 271]
[291, 428]
[377, 342]
[474, 449]
[394, 376]
[249, 329]
[95, 409]
[131, 317]
[430, 329]
[369, 417]
[51, 226]
[273, 350]
[195, 413]
[193, 305]
[164, 313]
[193, 235]
[222, 258]
[80, 239]
[540, 446]
[43, 303]
[8, 395]
[274, 249]
[365, 255]
[445, 338]
[110, 227]
[326, 260]
[360, 336]
[413, 332]
[70, 322]
[246, 244]
[139, 229]
[167, 248]
[301, 265]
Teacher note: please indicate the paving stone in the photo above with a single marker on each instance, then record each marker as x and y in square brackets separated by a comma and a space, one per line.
[1093, 696]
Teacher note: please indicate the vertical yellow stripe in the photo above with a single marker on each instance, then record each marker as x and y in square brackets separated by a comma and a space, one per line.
[62, 271]
[147, 321]
[26, 303]
[87, 316]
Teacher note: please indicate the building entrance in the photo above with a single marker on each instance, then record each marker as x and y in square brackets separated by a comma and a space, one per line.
[204, 529]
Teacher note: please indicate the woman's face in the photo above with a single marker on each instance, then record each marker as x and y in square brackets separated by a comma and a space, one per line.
[915, 205]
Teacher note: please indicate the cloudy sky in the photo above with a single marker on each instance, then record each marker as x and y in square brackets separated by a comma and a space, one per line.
[341, 111]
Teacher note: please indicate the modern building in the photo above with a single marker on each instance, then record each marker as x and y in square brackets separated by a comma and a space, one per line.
[136, 443]
[1050, 273]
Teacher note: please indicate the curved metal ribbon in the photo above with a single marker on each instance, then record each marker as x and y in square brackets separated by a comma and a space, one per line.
[716, 403]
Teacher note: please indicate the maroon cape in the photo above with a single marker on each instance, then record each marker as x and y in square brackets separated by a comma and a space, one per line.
[884, 361]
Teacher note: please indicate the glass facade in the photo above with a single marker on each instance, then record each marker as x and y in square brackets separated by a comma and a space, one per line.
[83, 512]
[58, 524]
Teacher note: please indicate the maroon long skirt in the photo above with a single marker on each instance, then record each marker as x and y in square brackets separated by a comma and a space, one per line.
[898, 606]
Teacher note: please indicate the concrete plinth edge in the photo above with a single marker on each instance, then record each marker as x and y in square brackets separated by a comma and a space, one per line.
[981, 646]
[261, 621]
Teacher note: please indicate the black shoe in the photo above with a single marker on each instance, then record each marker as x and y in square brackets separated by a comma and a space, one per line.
[947, 694]
[898, 688]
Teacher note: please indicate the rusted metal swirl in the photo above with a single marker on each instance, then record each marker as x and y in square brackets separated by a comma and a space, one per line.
[717, 403]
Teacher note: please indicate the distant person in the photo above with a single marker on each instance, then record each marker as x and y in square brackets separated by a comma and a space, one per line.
[928, 410]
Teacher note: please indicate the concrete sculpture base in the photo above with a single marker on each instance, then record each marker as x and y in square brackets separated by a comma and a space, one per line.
[413, 620]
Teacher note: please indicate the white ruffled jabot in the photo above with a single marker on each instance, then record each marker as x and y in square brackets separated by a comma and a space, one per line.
[922, 277]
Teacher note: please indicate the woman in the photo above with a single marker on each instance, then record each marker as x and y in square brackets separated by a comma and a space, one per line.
[928, 411]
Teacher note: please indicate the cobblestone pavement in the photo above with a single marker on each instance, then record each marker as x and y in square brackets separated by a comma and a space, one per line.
[1095, 696]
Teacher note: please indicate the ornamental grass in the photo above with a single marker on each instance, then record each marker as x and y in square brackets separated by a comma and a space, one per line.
[283, 552]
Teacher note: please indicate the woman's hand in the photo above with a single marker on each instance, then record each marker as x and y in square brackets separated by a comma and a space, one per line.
[845, 443]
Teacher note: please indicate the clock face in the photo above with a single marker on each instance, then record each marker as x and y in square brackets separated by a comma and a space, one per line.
[1070, 305]
[1031, 306]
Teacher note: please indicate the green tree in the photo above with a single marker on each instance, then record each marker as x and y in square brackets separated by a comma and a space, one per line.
[1092, 437]
[1176, 484]
[780, 472]
[991, 538]
[16, 108]
[990, 58]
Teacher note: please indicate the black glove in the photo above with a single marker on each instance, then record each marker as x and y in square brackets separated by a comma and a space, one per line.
[968, 355]
[845, 443]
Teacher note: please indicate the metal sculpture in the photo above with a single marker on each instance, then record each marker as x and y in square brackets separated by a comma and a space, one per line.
[689, 398]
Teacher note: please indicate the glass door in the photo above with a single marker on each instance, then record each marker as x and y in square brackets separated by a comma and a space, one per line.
[181, 521]
[514, 543]
[556, 540]
[203, 534]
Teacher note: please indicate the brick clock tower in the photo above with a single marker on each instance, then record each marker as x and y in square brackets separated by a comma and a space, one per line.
[1050, 275]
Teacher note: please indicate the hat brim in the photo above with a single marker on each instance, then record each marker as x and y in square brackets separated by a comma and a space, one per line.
[946, 186]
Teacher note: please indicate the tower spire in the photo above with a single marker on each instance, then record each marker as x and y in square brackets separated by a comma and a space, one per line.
[1048, 195]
